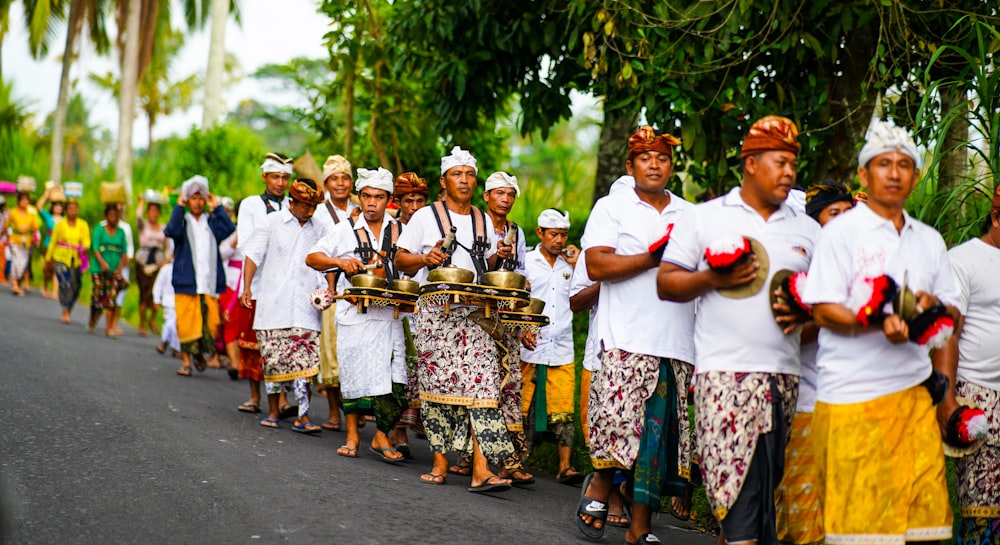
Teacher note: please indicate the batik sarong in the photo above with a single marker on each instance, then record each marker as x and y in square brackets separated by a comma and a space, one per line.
[457, 359]
[104, 290]
[978, 474]
[69, 279]
[617, 408]
[881, 469]
[510, 401]
[289, 354]
[197, 322]
[732, 411]
[448, 429]
[20, 260]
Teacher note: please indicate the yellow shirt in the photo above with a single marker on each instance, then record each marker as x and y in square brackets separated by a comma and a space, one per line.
[75, 236]
[25, 225]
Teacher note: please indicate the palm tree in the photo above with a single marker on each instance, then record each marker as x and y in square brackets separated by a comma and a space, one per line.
[158, 95]
[89, 13]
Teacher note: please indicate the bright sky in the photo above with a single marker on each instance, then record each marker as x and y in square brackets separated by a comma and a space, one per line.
[267, 35]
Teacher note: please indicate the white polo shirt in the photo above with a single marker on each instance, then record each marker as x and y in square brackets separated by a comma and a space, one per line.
[253, 210]
[279, 247]
[632, 317]
[579, 282]
[740, 335]
[341, 242]
[977, 268]
[551, 284]
[422, 233]
[860, 244]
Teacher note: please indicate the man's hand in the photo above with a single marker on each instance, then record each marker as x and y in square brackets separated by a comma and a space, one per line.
[895, 329]
[743, 272]
[213, 201]
[104, 267]
[436, 257]
[786, 319]
[352, 266]
[571, 259]
[925, 301]
[504, 251]
[529, 340]
[182, 200]
[247, 298]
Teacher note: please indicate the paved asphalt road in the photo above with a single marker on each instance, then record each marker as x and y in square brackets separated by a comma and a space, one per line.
[100, 442]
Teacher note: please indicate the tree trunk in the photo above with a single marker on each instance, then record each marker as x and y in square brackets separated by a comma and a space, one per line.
[375, 117]
[954, 165]
[846, 103]
[56, 158]
[128, 94]
[216, 70]
[612, 150]
[349, 76]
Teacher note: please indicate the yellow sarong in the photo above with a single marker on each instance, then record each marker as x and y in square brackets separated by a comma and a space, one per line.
[881, 470]
[190, 322]
[798, 506]
[329, 368]
[560, 385]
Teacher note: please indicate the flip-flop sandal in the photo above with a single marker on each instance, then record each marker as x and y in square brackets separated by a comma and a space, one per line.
[307, 428]
[184, 371]
[234, 373]
[460, 470]
[565, 477]
[161, 348]
[594, 508]
[645, 539]
[675, 514]
[519, 482]
[624, 518]
[288, 411]
[405, 450]
[270, 423]
[380, 453]
[347, 452]
[433, 478]
[487, 486]
[199, 362]
[331, 426]
[249, 407]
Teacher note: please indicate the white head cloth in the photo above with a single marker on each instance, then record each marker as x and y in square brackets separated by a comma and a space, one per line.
[502, 179]
[335, 164]
[378, 179]
[458, 157]
[270, 165]
[552, 219]
[195, 184]
[227, 203]
[884, 138]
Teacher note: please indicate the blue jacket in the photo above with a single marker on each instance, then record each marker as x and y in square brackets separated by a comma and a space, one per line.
[183, 277]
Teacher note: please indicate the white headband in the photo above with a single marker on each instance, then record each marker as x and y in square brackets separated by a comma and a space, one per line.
[552, 219]
[502, 179]
[270, 165]
[195, 184]
[885, 138]
[378, 179]
[458, 157]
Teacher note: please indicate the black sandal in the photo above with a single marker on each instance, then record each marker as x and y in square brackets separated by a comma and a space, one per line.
[594, 508]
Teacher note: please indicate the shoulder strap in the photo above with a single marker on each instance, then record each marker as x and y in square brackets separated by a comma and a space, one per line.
[441, 216]
[389, 248]
[333, 213]
[364, 249]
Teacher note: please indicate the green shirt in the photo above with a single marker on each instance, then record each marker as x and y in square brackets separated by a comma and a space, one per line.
[110, 247]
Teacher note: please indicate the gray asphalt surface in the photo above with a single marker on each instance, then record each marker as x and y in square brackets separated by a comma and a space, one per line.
[100, 442]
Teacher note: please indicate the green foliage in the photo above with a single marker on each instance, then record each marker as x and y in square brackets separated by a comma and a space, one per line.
[228, 155]
[958, 212]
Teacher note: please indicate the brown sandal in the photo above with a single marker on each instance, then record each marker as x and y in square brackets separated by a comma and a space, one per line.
[184, 371]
